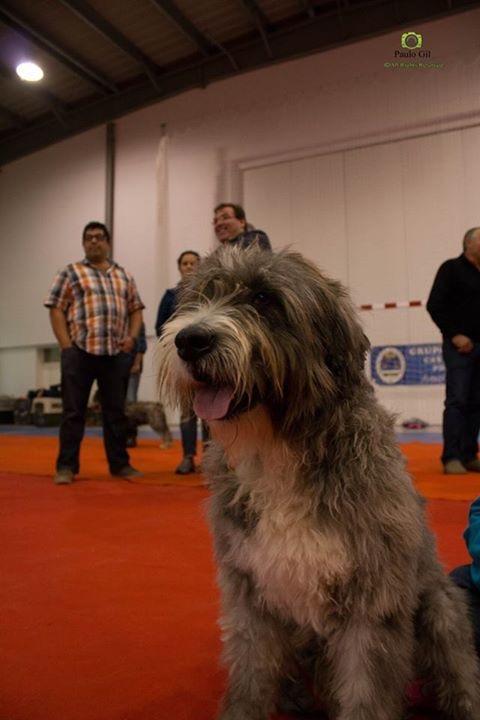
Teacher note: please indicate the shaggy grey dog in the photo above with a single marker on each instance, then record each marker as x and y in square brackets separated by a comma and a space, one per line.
[326, 565]
[148, 413]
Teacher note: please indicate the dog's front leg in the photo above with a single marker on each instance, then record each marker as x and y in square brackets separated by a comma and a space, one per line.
[254, 650]
[371, 660]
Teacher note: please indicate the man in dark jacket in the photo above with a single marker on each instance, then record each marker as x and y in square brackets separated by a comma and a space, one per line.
[231, 227]
[454, 305]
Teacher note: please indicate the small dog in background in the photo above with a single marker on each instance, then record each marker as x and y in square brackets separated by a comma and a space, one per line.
[326, 565]
[147, 413]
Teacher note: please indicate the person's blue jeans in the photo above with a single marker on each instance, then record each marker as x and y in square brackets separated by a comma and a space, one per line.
[188, 431]
[132, 388]
[461, 416]
[132, 394]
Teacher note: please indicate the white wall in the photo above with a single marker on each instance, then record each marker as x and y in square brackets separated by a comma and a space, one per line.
[18, 370]
[380, 218]
[340, 100]
[44, 202]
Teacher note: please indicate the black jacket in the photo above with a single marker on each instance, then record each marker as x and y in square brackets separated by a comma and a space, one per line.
[168, 305]
[454, 301]
[249, 237]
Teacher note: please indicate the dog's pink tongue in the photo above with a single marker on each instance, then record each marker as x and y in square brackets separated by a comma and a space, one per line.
[212, 403]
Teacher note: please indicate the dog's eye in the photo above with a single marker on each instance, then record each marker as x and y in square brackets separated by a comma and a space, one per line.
[261, 299]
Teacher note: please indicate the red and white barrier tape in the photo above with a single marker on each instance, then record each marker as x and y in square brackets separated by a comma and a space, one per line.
[392, 305]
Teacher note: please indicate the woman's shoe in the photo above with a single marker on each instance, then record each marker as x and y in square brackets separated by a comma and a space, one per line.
[186, 467]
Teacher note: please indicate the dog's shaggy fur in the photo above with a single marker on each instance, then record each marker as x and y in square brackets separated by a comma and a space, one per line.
[148, 413]
[326, 565]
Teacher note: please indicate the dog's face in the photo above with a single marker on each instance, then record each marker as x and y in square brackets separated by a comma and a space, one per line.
[253, 328]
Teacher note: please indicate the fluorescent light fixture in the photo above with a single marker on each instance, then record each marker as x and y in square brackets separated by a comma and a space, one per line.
[29, 71]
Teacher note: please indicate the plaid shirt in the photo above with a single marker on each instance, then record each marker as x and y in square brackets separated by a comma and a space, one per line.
[97, 305]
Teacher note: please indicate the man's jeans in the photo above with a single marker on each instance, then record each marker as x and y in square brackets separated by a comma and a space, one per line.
[461, 417]
[132, 387]
[79, 370]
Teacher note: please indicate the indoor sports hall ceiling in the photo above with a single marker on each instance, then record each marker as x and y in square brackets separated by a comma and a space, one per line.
[105, 58]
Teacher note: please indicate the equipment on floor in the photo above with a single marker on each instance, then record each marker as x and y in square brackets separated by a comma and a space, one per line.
[46, 411]
[6, 409]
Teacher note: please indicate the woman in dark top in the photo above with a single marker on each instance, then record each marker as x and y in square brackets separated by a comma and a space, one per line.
[187, 263]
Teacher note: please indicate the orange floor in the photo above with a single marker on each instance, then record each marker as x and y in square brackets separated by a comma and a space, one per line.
[426, 469]
[108, 600]
[33, 455]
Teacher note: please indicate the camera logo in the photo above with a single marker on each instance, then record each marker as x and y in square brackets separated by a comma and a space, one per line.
[411, 40]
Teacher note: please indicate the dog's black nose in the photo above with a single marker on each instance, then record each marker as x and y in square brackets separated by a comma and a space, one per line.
[194, 341]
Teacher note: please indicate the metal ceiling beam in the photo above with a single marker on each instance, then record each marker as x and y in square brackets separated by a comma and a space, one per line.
[306, 5]
[261, 23]
[89, 15]
[172, 12]
[208, 46]
[320, 34]
[12, 118]
[254, 8]
[228, 55]
[22, 26]
[51, 101]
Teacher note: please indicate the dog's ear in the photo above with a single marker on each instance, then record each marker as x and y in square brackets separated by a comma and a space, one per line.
[346, 353]
[324, 345]
[339, 340]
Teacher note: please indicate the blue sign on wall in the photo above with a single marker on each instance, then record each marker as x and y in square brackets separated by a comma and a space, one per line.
[407, 364]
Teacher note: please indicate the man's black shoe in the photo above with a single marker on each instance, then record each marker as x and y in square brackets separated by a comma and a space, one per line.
[128, 472]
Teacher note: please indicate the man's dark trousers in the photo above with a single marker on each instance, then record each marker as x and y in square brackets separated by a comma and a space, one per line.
[461, 417]
[79, 370]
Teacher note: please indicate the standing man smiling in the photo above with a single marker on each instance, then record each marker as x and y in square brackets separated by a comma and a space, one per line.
[231, 227]
[96, 315]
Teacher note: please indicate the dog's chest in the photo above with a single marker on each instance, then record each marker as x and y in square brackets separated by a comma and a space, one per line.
[294, 560]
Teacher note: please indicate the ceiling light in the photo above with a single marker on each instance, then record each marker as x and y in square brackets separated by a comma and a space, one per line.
[29, 71]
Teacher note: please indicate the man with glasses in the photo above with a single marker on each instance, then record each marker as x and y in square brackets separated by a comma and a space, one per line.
[96, 315]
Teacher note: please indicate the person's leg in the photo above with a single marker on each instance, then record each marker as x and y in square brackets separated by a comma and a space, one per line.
[459, 371]
[188, 431]
[77, 379]
[113, 374]
[205, 433]
[132, 387]
[470, 449]
[132, 393]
